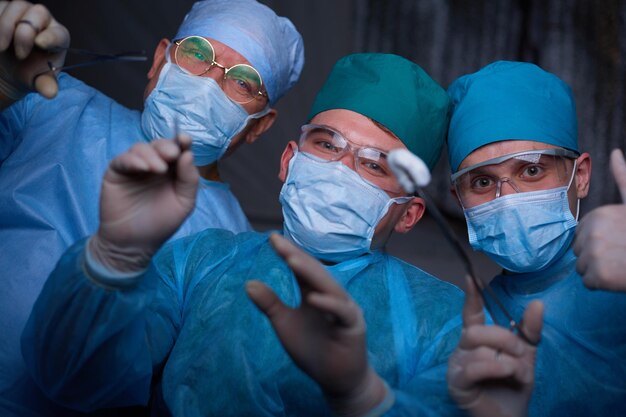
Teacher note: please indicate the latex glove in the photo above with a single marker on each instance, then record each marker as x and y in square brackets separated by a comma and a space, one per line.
[146, 195]
[32, 31]
[325, 335]
[491, 372]
[601, 238]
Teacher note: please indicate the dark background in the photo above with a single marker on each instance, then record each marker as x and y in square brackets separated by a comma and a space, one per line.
[583, 42]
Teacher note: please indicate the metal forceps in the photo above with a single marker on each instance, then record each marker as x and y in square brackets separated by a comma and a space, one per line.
[413, 174]
[96, 57]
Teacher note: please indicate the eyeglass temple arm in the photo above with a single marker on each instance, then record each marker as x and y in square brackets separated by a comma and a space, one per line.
[453, 240]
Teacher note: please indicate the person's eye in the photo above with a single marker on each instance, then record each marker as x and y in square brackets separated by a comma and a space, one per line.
[531, 171]
[375, 168]
[197, 54]
[482, 183]
[243, 86]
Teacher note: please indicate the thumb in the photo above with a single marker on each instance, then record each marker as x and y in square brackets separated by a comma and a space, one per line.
[618, 168]
[265, 299]
[46, 84]
[533, 321]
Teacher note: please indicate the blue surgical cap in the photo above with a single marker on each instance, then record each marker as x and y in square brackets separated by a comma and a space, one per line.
[269, 42]
[510, 101]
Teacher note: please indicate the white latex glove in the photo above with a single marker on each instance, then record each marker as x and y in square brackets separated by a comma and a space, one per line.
[32, 31]
[491, 372]
[601, 238]
[146, 195]
[325, 335]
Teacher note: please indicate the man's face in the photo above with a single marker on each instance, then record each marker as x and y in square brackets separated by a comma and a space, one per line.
[360, 131]
[580, 184]
[225, 55]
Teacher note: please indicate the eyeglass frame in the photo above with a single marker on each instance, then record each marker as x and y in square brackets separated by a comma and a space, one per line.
[498, 160]
[255, 96]
[558, 152]
[350, 148]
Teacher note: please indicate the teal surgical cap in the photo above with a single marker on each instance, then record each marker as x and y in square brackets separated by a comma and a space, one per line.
[394, 92]
[269, 42]
[510, 101]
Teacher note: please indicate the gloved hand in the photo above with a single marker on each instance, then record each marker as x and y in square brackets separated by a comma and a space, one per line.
[491, 372]
[146, 195]
[325, 335]
[32, 31]
[601, 238]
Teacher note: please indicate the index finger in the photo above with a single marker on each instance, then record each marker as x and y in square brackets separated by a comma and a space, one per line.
[309, 271]
[618, 168]
[473, 312]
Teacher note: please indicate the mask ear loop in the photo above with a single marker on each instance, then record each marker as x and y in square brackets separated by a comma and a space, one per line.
[571, 180]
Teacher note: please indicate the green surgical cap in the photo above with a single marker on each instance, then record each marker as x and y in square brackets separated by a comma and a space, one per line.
[394, 92]
[510, 101]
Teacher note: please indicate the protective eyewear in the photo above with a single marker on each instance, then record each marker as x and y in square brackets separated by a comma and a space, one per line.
[242, 82]
[527, 171]
[370, 163]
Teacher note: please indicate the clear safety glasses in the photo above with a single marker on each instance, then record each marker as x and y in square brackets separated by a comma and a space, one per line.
[370, 163]
[522, 172]
[242, 83]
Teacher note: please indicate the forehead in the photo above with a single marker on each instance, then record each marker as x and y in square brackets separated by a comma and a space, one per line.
[505, 147]
[358, 129]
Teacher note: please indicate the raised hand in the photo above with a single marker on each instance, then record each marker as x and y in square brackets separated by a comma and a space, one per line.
[29, 38]
[325, 335]
[147, 193]
[491, 372]
[601, 238]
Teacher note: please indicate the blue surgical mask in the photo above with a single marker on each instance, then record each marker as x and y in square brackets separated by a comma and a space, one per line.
[329, 210]
[523, 232]
[201, 109]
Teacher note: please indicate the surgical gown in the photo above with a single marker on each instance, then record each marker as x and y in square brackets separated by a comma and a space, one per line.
[581, 359]
[53, 154]
[188, 339]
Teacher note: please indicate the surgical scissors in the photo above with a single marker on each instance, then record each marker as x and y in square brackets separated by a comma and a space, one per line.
[96, 57]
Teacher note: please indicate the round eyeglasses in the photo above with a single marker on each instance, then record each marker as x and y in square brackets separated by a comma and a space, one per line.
[370, 163]
[242, 82]
[527, 171]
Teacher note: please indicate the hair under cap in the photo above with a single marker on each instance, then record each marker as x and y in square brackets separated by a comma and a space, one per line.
[269, 42]
[510, 101]
[394, 92]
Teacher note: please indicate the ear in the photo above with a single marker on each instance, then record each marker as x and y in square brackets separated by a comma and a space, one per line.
[159, 58]
[583, 175]
[288, 153]
[261, 125]
[455, 195]
[412, 214]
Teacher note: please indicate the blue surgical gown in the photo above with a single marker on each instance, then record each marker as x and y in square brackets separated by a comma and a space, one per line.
[53, 154]
[581, 359]
[189, 340]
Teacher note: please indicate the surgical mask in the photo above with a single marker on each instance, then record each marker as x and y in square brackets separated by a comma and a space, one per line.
[199, 107]
[329, 210]
[523, 232]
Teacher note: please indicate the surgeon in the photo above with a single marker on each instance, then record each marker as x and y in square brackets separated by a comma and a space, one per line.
[217, 79]
[111, 327]
[600, 242]
[519, 175]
